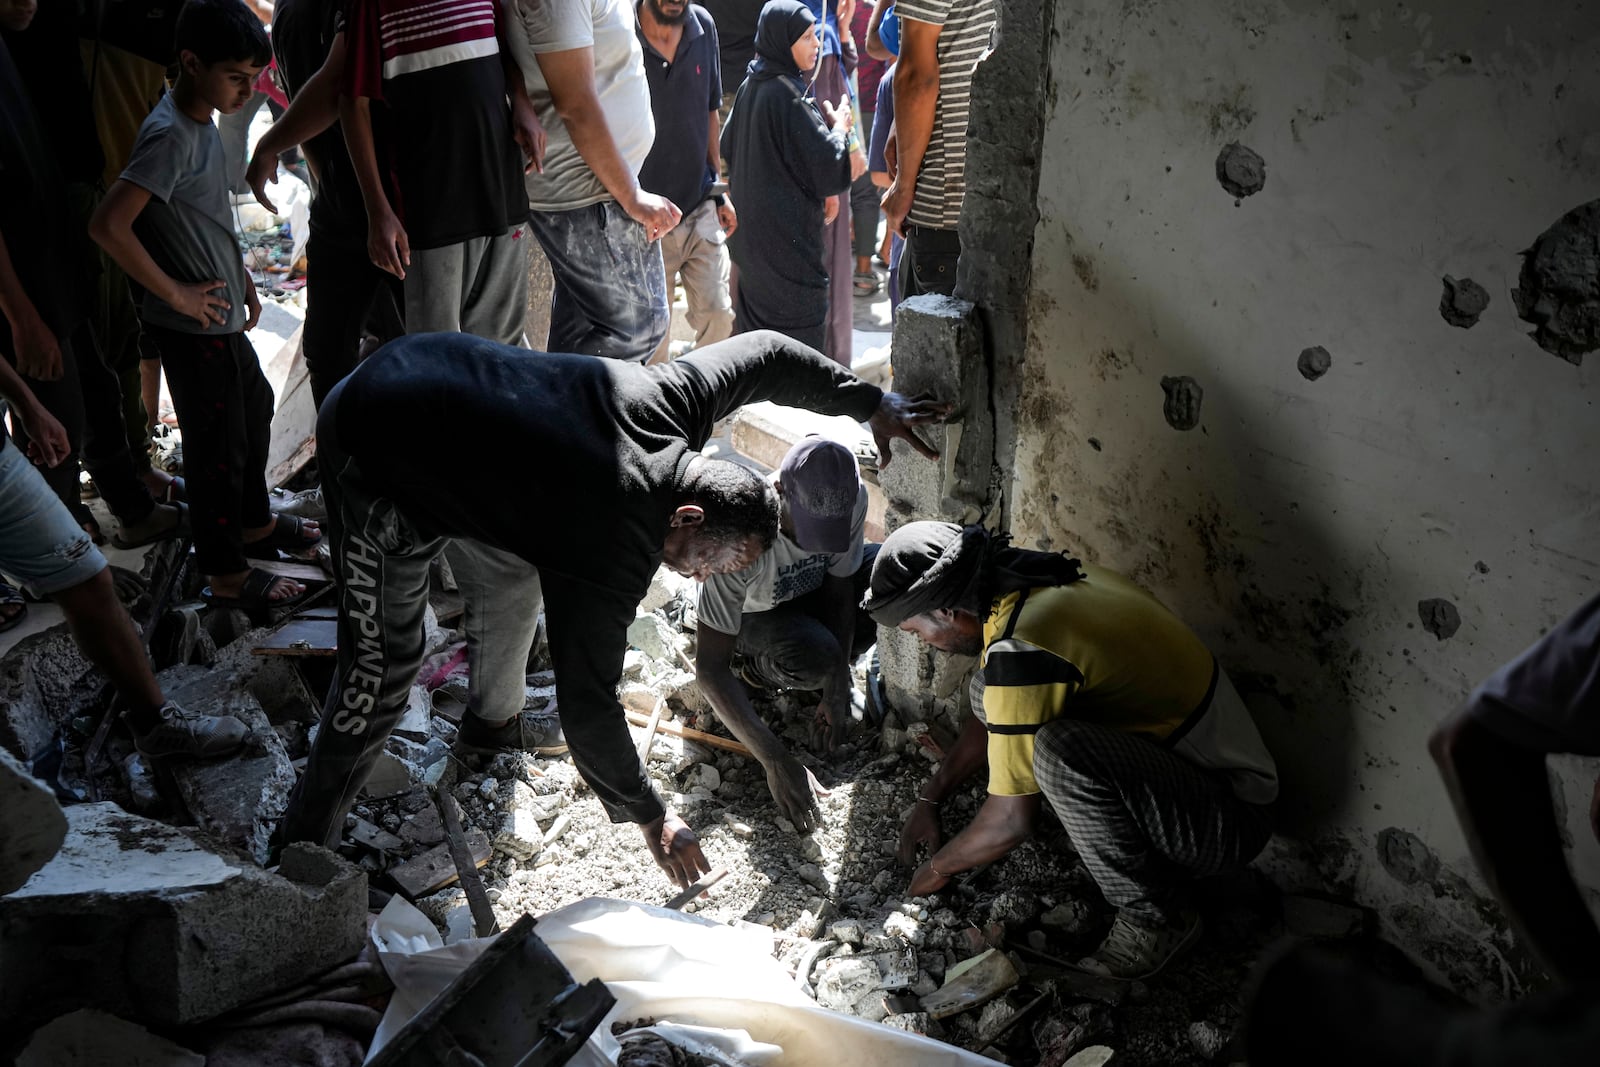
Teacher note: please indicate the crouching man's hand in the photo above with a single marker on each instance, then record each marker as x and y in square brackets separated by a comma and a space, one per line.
[795, 790]
[675, 848]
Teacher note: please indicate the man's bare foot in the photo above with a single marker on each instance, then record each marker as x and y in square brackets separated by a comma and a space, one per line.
[231, 586]
[163, 486]
[310, 530]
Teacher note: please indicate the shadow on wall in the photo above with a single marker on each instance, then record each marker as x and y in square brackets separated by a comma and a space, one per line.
[1251, 568]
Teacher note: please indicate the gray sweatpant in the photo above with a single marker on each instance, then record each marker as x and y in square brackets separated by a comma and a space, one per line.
[478, 286]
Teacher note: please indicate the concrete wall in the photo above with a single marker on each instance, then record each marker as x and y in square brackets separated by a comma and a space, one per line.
[1300, 522]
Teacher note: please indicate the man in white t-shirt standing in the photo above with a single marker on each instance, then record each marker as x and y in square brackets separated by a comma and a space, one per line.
[792, 616]
[584, 71]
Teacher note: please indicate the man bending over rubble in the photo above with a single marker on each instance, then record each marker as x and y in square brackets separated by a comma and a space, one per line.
[43, 546]
[605, 483]
[791, 616]
[1094, 696]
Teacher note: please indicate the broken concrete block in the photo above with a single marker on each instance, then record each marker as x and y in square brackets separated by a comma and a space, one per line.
[44, 681]
[870, 1007]
[87, 1038]
[841, 981]
[904, 927]
[655, 637]
[971, 984]
[846, 931]
[668, 585]
[1207, 1038]
[519, 835]
[390, 776]
[149, 921]
[1317, 918]
[1093, 1056]
[240, 799]
[33, 826]
[912, 1022]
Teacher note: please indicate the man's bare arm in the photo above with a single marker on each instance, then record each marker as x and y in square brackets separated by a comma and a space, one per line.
[916, 94]
[793, 787]
[313, 110]
[570, 75]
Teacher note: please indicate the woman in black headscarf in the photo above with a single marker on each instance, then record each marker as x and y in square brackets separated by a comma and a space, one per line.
[784, 160]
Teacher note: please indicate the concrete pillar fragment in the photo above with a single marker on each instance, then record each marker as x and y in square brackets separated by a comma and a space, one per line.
[939, 350]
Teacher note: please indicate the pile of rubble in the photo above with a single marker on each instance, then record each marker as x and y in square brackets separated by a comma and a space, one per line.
[985, 964]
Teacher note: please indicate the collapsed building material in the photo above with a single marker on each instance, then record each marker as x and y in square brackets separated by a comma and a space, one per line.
[434, 869]
[240, 800]
[87, 1037]
[971, 984]
[149, 921]
[33, 828]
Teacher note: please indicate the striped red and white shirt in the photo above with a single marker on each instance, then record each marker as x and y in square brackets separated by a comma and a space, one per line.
[389, 39]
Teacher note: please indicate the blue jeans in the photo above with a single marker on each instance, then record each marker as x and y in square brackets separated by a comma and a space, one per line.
[41, 544]
[610, 291]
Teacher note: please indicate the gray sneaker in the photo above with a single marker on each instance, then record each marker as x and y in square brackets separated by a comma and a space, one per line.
[1131, 950]
[185, 734]
[538, 732]
[306, 504]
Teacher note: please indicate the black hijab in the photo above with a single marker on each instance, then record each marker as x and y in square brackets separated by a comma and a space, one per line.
[779, 27]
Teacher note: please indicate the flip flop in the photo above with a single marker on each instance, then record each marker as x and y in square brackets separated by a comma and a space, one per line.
[256, 594]
[288, 533]
[11, 597]
[867, 283]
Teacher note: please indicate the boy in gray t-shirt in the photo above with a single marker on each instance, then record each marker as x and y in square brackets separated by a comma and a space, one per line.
[168, 222]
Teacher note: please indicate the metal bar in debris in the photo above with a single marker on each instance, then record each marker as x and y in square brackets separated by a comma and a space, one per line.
[699, 887]
[701, 736]
[483, 919]
[651, 727]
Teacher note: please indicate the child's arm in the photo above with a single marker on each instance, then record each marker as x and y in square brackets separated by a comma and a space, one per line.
[38, 353]
[387, 244]
[112, 229]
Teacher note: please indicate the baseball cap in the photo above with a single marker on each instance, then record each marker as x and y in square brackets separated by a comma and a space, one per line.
[821, 484]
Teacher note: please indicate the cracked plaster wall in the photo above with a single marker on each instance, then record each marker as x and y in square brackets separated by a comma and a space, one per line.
[1302, 521]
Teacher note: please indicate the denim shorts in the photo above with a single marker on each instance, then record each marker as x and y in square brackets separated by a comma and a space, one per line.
[41, 545]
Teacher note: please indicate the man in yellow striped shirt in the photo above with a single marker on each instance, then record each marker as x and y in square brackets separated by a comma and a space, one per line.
[1091, 696]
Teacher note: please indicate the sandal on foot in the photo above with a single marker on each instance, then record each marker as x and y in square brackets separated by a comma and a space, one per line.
[867, 283]
[256, 595]
[166, 520]
[288, 533]
[11, 597]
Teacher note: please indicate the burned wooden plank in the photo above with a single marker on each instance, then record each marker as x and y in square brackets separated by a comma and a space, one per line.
[434, 869]
[370, 835]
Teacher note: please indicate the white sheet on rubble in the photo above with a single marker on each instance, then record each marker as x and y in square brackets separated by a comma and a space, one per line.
[718, 983]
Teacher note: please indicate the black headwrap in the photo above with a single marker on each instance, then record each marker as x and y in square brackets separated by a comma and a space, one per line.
[925, 566]
[780, 25]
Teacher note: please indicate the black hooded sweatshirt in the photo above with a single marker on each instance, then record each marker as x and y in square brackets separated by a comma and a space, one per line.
[783, 161]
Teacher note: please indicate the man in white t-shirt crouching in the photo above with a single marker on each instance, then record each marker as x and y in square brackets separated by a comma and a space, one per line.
[792, 616]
